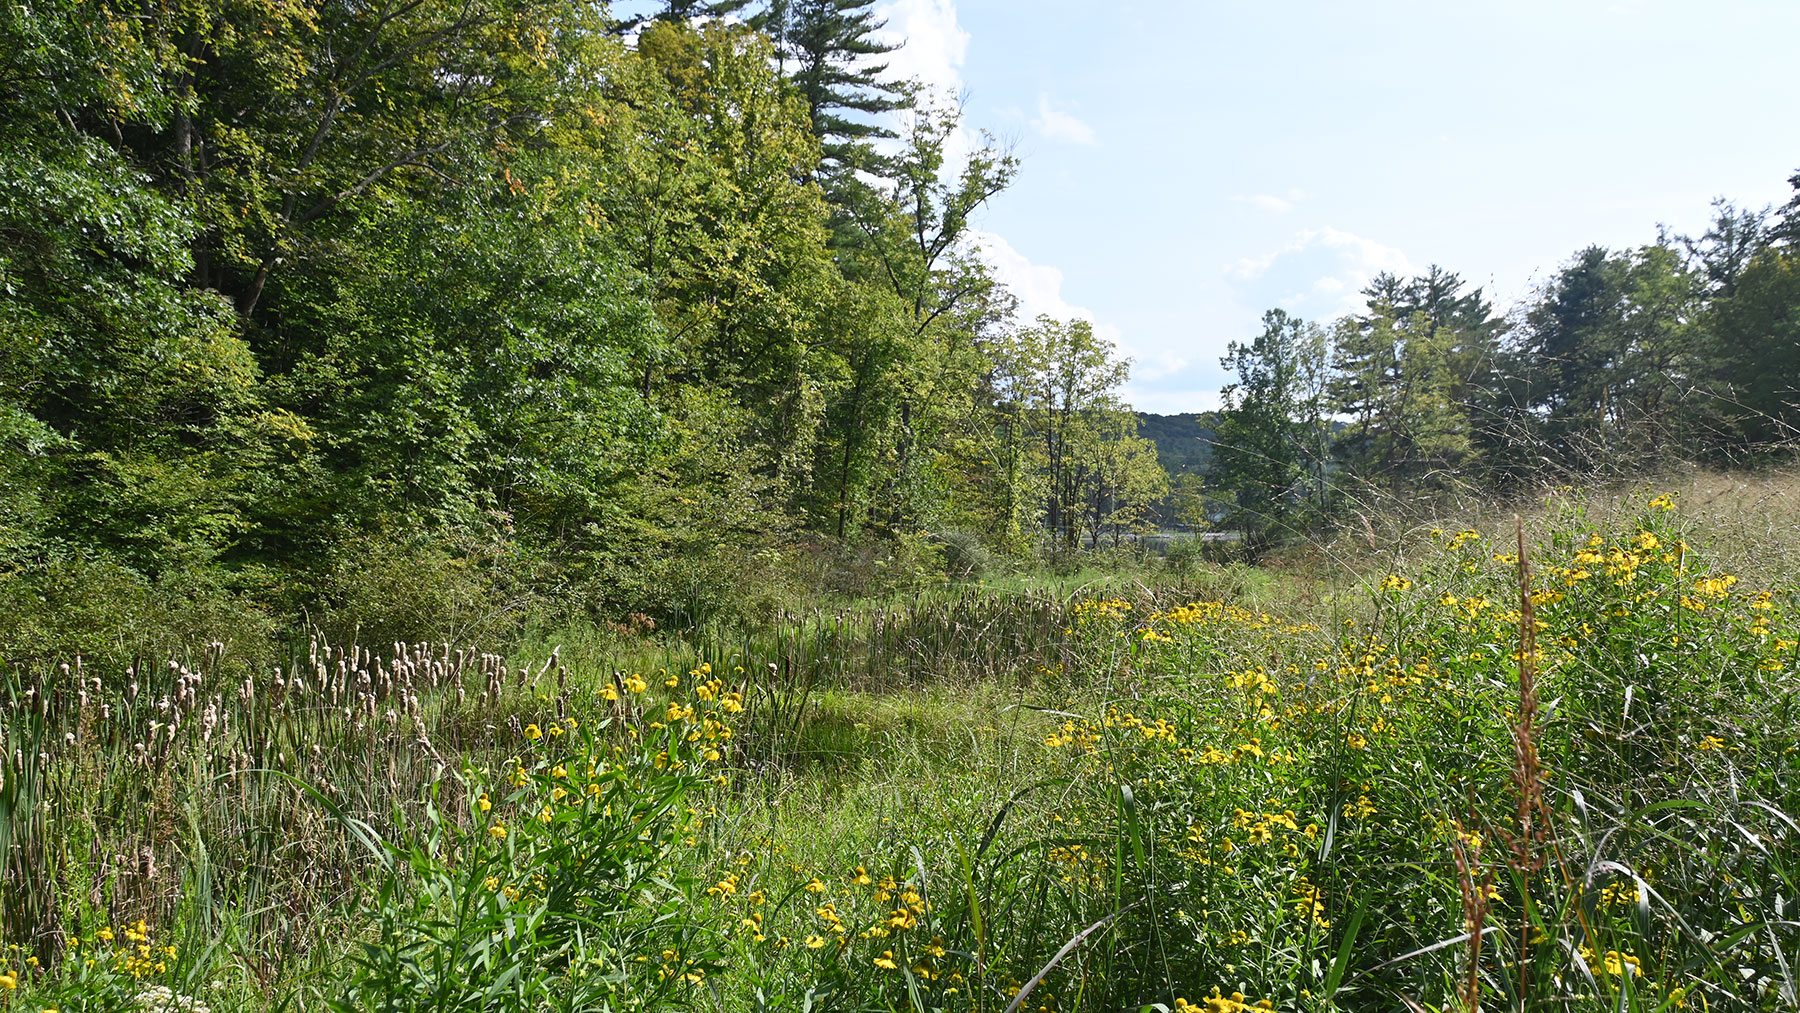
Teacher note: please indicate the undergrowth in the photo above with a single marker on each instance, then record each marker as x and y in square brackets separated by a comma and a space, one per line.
[1548, 767]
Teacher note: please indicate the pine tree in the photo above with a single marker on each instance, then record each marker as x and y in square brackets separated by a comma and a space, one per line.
[826, 48]
[1787, 222]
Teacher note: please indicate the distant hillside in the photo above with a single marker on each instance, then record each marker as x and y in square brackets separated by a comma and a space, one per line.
[1183, 442]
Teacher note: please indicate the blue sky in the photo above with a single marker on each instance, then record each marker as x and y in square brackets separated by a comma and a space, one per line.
[1189, 165]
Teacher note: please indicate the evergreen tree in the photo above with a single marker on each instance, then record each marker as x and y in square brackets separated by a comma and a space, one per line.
[1756, 338]
[1609, 350]
[1409, 373]
[1787, 224]
[1725, 249]
[827, 48]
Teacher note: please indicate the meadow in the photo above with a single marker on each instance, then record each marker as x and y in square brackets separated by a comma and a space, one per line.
[1551, 763]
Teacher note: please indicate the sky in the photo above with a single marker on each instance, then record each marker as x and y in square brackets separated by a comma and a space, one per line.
[1188, 164]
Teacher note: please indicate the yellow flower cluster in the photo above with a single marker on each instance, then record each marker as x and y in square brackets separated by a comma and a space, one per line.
[1309, 904]
[1457, 540]
[1613, 963]
[1216, 1003]
[1619, 895]
[1096, 610]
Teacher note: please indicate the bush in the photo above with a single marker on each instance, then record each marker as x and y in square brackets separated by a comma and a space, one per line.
[965, 557]
[407, 587]
[112, 615]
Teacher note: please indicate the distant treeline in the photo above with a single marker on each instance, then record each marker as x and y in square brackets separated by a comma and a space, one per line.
[1687, 349]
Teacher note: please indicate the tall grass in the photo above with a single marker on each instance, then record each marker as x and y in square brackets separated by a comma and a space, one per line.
[1558, 770]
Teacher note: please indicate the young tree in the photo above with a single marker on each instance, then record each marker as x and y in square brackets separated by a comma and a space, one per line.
[1058, 382]
[1271, 448]
[911, 237]
[1123, 480]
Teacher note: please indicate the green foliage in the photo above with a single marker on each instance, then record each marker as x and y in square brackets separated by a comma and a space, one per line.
[541, 885]
[453, 321]
[1758, 342]
[592, 325]
[1271, 448]
[829, 44]
[1610, 336]
[1271, 793]
[1073, 446]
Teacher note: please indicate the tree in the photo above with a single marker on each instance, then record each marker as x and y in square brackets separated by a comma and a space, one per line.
[1415, 375]
[1271, 449]
[1756, 334]
[288, 115]
[826, 47]
[1786, 229]
[1123, 480]
[1611, 353]
[697, 168]
[1727, 247]
[911, 237]
[679, 12]
[132, 419]
[1057, 386]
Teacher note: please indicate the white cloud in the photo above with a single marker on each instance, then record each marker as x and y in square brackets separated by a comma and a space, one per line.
[932, 48]
[1038, 287]
[1057, 125]
[932, 44]
[1320, 274]
[1271, 202]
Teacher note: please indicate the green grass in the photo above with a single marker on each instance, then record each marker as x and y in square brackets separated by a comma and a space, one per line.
[1217, 789]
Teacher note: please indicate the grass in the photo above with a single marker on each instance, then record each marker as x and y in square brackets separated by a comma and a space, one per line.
[1385, 779]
